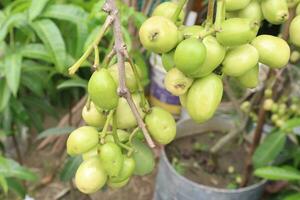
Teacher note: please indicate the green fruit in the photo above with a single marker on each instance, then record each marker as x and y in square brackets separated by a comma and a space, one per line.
[93, 116]
[125, 117]
[111, 158]
[90, 176]
[103, 90]
[251, 78]
[116, 185]
[183, 99]
[204, 97]
[176, 82]
[194, 31]
[144, 158]
[126, 171]
[275, 11]
[123, 136]
[232, 5]
[252, 11]
[139, 135]
[189, 55]
[239, 60]
[233, 14]
[167, 9]
[215, 54]
[237, 31]
[91, 153]
[82, 140]
[159, 34]
[161, 125]
[168, 60]
[295, 31]
[131, 81]
[273, 51]
[298, 9]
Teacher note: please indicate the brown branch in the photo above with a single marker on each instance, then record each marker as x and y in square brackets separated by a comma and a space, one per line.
[120, 48]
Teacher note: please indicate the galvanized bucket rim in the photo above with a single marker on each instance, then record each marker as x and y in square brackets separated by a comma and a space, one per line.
[229, 191]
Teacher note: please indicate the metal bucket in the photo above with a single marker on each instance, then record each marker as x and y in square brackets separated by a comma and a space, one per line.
[170, 185]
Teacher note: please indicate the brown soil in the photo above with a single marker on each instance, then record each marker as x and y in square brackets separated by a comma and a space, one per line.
[190, 157]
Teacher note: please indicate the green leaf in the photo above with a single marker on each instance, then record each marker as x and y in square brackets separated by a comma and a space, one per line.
[19, 111]
[70, 168]
[3, 184]
[269, 149]
[37, 51]
[37, 6]
[278, 173]
[16, 186]
[30, 83]
[29, 66]
[49, 33]
[55, 131]
[40, 104]
[294, 196]
[291, 124]
[10, 168]
[11, 21]
[72, 83]
[4, 94]
[82, 34]
[66, 12]
[13, 65]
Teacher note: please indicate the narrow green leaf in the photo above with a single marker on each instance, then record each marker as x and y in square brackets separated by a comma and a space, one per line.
[4, 94]
[55, 131]
[10, 168]
[11, 21]
[29, 66]
[13, 65]
[269, 149]
[40, 104]
[3, 184]
[16, 186]
[49, 33]
[37, 6]
[72, 83]
[82, 34]
[70, 168]
[278, 173]
[30, 83]
[66, 12]
[37, 51]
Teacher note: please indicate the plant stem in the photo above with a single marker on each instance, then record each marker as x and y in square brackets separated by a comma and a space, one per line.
[178, 10]
[133, 134]
[105, 128]
[108, 58]
[210, 14]
[17, 148]
[104, 28]
[120, 48]
[144, 103]
[220, 15]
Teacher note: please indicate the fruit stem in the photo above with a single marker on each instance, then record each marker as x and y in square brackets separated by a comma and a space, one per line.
[106, 125]
[96, 58]
[210, 14]
[178, 10]
[88, 103]
[86, 54]
[144, 104]
[220, 15]
[120, 48]
[133, 133]
[108, 58]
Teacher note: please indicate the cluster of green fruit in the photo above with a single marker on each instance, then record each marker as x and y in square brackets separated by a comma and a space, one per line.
[279, 112]
[282, 110]
[194, 56]
[111, 144]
